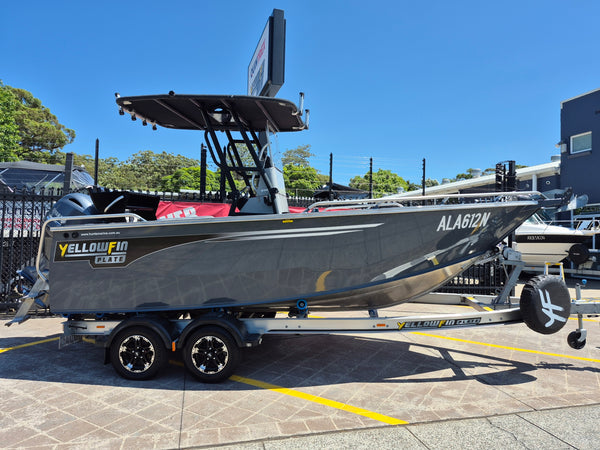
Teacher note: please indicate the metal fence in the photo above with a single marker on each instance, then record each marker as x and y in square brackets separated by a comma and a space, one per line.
[482, 279]
[22, 213]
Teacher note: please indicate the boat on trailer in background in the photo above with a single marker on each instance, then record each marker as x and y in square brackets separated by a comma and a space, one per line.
[209, 285]
[541, 243]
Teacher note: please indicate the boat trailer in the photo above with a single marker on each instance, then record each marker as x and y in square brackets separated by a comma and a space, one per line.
[211, 342]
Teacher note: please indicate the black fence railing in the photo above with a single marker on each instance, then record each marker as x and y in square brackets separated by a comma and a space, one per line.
[481, 279]
[22, 213]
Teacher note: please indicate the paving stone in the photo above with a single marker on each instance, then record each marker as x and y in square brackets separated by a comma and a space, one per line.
[71, 431]
[454, 394]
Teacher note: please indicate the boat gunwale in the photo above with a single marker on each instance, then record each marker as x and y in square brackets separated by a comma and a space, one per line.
[284, 217]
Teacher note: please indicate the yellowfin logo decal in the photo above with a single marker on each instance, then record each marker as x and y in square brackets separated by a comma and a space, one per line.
[113, 253]
[119, 253]
[439, 323]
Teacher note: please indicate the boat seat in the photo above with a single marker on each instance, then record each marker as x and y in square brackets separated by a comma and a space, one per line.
[116, 202]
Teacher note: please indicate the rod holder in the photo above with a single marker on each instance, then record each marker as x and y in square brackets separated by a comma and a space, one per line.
[301, 105]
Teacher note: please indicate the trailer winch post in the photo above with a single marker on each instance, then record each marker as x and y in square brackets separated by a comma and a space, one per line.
[512, 258]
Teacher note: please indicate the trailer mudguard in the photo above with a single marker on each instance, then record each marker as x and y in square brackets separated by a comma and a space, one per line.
[157, 324]
[234, 327]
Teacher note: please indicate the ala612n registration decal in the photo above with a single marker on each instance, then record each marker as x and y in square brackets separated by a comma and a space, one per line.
[462, 221]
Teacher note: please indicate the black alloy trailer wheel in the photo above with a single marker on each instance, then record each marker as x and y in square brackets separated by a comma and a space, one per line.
[211, 354]
[137, 353]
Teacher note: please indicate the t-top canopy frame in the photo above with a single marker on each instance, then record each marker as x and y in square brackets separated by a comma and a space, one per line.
[247, 115]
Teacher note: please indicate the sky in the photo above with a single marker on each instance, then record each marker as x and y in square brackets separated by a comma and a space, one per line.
[462, 84]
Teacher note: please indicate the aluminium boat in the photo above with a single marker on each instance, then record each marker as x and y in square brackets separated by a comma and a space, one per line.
[105, 254]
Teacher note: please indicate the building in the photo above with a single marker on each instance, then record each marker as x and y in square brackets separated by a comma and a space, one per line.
[579, 135]
[545, 178]
[574, 168]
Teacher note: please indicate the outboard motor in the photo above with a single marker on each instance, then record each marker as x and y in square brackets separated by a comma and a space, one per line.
[68, 206]
[73, 205]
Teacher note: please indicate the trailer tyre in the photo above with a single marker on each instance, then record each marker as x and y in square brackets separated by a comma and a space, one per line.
[545, 304]
[211, 354]
[574, 340]
[137, 353]
[579, 254]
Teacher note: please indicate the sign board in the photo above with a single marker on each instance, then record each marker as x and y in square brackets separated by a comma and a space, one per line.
[266, 68]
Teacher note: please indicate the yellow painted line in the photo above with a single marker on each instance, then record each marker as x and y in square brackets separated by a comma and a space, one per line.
[585, 320]
[320, 400]
[524, 350]
[2, 350]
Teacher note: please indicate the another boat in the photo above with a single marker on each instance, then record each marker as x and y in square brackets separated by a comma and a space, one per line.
[540, 243]
[363, 254]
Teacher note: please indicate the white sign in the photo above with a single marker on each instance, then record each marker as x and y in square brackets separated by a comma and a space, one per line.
[258, 70]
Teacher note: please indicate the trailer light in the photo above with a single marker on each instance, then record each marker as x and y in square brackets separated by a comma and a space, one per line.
[100, 326]
[380, 325]
[173, 346]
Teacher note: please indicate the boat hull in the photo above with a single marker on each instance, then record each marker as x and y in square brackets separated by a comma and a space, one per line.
[540, 244]
[356, 259]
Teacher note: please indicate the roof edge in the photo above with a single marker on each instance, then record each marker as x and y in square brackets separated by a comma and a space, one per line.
[578, 96]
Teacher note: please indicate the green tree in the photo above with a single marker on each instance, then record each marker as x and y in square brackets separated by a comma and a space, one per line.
[110, 174]
[189, 178]
[412, 186]
[471, 173]
[384, 182]
[298, 156]
[429, 182]
[146, 169]
[142, 171]
[40, 132]
[300, 178]
[464, 176]
[9, 130]
[301, 181]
